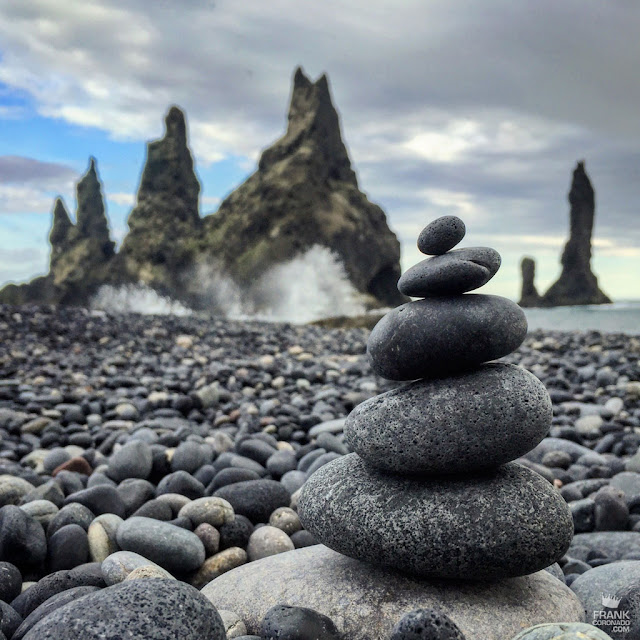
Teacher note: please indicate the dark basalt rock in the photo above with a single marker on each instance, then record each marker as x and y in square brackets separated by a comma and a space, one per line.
[80, 253]
[442, 234]
[477, 527]
[529, 297]
[305, 193]
[452, 273]
[464, 423]
[577, 284]
[283, 622]
[160, 609]
[159, 248]
[436, 336]
[426, 624]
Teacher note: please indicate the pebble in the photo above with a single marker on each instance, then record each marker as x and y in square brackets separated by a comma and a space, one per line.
[285, 519]
[218, 564]
[415, 330]
[442, 234]
[284, 622]
[133, 460]
[173, 548]
[268, 541]
[99, 499]
[117, 566]
[513, 504]
[101, 536]
[214, 511]
[255, 499]
[426, 624]
[450, 274]
[67, 548]
[136, 608]
[10, 581]
[456, 424]
[22, 538]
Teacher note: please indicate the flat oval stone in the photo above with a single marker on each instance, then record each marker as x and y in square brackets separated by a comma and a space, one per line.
[161, 609]
[366, 601]
[451, 273]
[437, 336]
[173, 548]
[442, 234]
[467, 422]
[508, 523]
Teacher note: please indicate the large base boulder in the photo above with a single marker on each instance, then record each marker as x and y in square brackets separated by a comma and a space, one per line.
[366, 601]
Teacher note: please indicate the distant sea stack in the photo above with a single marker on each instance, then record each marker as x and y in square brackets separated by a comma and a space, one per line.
[304, 193]
[80, 253]
[529, 296]
[577, 284]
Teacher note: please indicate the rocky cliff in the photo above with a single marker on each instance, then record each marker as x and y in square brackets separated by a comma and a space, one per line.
[165, 222]
[577, 284]
[305, 193]
[80, 253]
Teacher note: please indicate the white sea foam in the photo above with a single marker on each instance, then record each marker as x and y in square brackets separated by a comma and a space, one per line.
[136, 298]
[311, 286]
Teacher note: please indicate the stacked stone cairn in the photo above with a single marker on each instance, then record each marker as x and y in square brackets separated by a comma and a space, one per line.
[431, 489]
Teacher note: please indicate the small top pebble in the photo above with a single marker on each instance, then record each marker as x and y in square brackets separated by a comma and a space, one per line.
[441, 235]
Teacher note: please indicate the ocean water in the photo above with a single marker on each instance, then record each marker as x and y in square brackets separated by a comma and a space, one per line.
[619, 317]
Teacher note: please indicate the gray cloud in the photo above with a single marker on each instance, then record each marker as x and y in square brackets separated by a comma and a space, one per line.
[20, 170]
[480, 108]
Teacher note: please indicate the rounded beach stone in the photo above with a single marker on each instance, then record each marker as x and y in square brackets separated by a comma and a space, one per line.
[149, 572]
[286, 519]
[267, 541]
[283, 622]
[49, 606]
[10, 620]
[436, 336]
[42, 510]
[467, 422]
[173, 548]
[213, 511]
[68, 547]
[120, 564]
[99, 499]
[219, 564]
[160, 609]
[331, 583]
[426, 624]
[22, 538]
[102, 536]
[233, 624]
[450, 274]
[10, 581]
[255, 499]
[506, 523]
[563, 631]
[133, 460]
[442, 234]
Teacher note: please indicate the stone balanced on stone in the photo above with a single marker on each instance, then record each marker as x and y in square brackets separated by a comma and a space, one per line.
[431, 489]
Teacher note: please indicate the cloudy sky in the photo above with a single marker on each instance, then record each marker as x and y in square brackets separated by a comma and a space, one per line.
[479, 109]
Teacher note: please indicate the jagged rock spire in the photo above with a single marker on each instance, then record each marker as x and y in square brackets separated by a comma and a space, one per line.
[61, 228]
[165, 220]
[314, 128]
[91, 220]
[577, 284]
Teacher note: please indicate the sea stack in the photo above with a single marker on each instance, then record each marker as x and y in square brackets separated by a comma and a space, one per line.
[529, 297]
[430, 508]
[577, 285]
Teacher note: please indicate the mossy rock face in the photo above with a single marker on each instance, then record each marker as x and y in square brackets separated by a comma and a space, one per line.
[563, 631]
[303, 194]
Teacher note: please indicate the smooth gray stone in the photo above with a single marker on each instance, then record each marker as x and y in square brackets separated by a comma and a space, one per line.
[506, 523]
[450, 274]
[133, 460]
[442, 234]
[438, 336]
[574, 449]
[607, 579]
[562, 631]
[117, 566]
[173, 548]
[158, 609]
[613, 544]
[467, 422]
[366, 601]
[627, 481]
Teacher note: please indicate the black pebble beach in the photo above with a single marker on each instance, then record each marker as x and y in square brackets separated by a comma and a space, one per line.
[204, 430]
